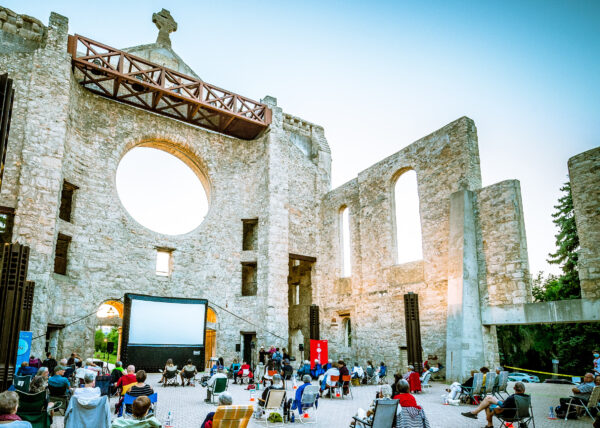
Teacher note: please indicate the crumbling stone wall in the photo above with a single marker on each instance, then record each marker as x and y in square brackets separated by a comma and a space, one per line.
[584, 174]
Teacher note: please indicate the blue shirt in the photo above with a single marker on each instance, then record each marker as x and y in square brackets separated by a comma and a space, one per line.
[297, 404]
[27, 371]
[585, 389]
[57, 381]
[18, 424]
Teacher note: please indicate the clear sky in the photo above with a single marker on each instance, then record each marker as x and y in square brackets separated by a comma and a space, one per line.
[380, 75]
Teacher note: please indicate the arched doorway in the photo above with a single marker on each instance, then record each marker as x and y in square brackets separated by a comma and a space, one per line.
[107, 334]
[210, 347]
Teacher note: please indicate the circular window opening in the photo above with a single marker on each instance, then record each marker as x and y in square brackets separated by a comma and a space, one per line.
[160, 191]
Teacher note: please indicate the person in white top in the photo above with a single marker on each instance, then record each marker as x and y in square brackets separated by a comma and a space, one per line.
[211, 382]
[357, 372]
[89, 391]
[327, 382]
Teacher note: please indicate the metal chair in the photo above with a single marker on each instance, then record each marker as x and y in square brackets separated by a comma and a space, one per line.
[245, 377]
[333, 386]
[383, 416]
[59, 393]
[347, 383]
[217, 388]
[501, 385]
[523, 413]
[591, 404]
[488, 388]
[370, 375]
[308, 402]
[425, 385]
[189, 376]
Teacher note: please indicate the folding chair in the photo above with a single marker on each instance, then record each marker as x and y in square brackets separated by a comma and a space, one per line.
[21, 383]
[245, 377]
[347, 383]
[189, 376]
[471, 392]
[33, 408]
[124, 390]
[274, 402]
[232, 416]
[309, 402]
[591, 404]
[425, 385]
[370, 375]
[129, 399]
[335, 385]
[170, 378]
[488, 388]
[87, 416]
[523, 413]
[501, 385]
[60, 393]
[103, 382]
[218, 388]
[288, 372]
[383, 417]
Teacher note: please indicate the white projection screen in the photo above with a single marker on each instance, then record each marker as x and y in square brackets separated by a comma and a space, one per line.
[166, 322]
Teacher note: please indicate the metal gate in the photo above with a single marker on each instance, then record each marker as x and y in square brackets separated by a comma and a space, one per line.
[413, 330]
[314, 322]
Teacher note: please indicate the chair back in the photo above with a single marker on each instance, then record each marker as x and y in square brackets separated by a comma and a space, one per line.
[220, 385]
[275, 398]
[69, 372]
[232, 416]
[477, 382]
[523, 403]
[346, 378]
[57, 391]
[245, 372]
[126, 388]
[490, 378]
[92, 416]
[31, 403]
[385, 412]
[21, 383]
[594, 397]
[171, 373]
[502, 381]
[103, 382]
[309, 395]
[370, 371]
[426, 378]
[334, 380]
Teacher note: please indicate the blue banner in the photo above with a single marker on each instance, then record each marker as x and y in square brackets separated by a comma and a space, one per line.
[24, 349]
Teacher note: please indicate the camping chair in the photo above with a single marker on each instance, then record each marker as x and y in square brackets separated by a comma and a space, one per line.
[523, 416]
[488, 388]
[59, 393]
[245, 377]
[347, 383]
[591, 404]
[119, 406]
[383, 417]
[288, 372]
[170, 378]
[370, 375]
[69, 372]
[129, 399]
[274, 403]
[500, 386]
[103, 382]
[33, 408]
[232, 416]
[470, 392]
[21, 383]
[425, 385]
[88, 416]
[309, 402]
[217, 388]
[234, 368]
[189, 376]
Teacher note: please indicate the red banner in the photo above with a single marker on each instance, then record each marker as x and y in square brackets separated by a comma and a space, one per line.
[318, 351]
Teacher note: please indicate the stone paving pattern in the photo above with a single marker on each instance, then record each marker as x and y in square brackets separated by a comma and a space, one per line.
[189, 409]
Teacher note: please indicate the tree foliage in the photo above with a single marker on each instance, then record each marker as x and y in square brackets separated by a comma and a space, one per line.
[112, 336]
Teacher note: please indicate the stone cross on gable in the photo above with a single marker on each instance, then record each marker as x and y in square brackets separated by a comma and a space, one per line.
[166, 25]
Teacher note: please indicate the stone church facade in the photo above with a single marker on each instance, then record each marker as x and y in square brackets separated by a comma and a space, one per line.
[273, 221]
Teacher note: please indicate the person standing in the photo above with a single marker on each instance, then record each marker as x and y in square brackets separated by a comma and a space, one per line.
[49, 362]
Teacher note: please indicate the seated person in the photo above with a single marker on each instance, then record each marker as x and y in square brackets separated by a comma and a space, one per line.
[244, 366]
[343, 372]
[90, 365]
[115, 375]
[225, 399]
[128, 378]
[287, 369]
[26, 370]
[215, 367]
[9, 403]
[140, 389]
[382, 370]
[89, 391]
[297, 403]
[493, 406]
[328, 365]
[235, 366]
[385, 392]
[277, 384]
[35, 362]
[211, 383]
[317, 370]
[49, 362]
[410, 410]
[58, 380]
[456, 388]
[169, 367]
[39, 381]
[188, 372]
[141, 418]
[413, 378]
[327, 382]
[304, 370]
[357, 372]
[581, 392]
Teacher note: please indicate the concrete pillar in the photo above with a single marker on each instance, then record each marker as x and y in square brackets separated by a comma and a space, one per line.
[464, 336]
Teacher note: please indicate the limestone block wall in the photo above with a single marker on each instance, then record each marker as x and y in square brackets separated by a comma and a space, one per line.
[445, 161]
[584, 174]
[502, 245]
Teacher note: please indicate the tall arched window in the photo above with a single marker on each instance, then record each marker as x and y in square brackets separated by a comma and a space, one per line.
[409, 245]
[347, 332]
[345, 241]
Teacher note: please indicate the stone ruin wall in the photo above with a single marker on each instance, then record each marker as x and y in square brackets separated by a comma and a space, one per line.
[63, 132]
[584, 174]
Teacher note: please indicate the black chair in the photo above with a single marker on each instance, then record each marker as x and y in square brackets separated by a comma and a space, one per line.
[523, 415]
[21, 383]
[103, 382]
[383, 416]
[288, 372]
[33, 408]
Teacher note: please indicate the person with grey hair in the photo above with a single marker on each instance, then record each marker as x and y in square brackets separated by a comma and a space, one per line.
[211, 383]
[276, 384]
[90, 390]
[225, 399]
[493, 406]
[40, 381]
[412, 414]
[9, 403]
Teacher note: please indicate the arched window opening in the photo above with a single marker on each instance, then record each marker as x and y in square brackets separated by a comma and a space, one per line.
[347, 332]
[345, 241]
[409, 245]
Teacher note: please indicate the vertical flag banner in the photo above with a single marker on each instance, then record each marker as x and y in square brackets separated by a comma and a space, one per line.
[24, 349]
[318, 351]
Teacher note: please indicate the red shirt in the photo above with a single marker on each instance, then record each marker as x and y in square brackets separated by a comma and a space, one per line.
[126, 380]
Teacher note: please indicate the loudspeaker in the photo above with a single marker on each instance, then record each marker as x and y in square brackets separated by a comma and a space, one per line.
[110, 347]
[238, 347]
[301, 347]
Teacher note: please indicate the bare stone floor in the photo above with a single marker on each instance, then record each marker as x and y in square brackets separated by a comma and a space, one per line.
[189, 409]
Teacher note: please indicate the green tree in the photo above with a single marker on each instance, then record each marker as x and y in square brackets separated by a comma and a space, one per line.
[99, 344]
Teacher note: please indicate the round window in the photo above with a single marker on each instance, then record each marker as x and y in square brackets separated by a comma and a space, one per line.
[160, 191]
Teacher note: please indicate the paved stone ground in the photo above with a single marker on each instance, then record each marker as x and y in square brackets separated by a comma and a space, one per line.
[189, 408]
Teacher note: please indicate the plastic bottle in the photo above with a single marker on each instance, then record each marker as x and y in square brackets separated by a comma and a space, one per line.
[551, 415]
[293, 418]
[169, 422]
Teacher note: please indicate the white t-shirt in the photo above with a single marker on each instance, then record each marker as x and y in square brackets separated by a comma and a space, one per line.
[331, 372]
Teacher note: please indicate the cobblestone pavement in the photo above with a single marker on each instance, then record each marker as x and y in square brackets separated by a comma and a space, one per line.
[188, 407]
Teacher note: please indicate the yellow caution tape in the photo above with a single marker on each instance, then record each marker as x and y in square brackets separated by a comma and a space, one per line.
[535, 371]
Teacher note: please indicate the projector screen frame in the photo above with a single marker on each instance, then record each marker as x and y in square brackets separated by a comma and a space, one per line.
[152, 357]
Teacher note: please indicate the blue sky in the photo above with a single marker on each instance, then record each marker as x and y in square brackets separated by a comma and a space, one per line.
[380, 75]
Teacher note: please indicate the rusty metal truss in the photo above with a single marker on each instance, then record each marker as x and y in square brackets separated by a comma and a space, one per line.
[130, 79]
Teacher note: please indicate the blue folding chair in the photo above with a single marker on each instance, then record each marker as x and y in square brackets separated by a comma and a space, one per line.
[129, 399]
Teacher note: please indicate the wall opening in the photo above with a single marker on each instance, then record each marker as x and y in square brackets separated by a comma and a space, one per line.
[7, 221]
[250, 236]
[249, 284]
[345, 246]
[107, 336]
[299, 303]
[210, 349]
[61, 253]
[66, 201]
[347, 332]
[163, 191]
[407, 219]
[164, 261]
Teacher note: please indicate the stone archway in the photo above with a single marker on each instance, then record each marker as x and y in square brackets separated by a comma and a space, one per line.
[110, 314]
[210, 346]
